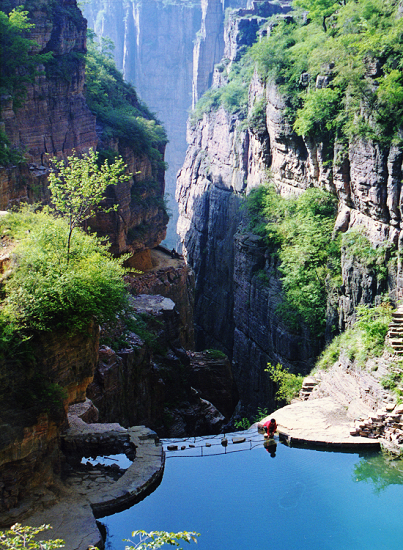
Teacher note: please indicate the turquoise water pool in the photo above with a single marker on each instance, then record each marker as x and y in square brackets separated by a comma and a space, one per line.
[241, 497]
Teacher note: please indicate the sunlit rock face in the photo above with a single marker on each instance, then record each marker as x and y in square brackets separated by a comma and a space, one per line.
[167, 50]
[235, 309]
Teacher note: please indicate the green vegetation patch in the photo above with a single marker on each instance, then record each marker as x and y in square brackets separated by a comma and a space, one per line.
[355, 48]
[300, 231]
[288, 384]
[215, 354]
[44, 291]
[339, 69]
[365, 339]
[233, 96]
[19, 60]
[355, 244]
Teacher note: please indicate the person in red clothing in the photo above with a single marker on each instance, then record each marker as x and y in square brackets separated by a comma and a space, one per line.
[271, 427]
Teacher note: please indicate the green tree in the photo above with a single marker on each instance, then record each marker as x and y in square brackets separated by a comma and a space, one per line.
[19, 59]
[320, 9]
[43, 292]
[156, 539]
[288, 384]
[78, 187]
[24, 537]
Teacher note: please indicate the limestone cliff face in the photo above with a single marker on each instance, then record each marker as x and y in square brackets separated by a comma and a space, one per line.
[237, 283]
[168, 51]
[55, 119]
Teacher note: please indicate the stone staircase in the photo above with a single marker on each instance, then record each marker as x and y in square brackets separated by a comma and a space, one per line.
[307, 386]
[395, 333]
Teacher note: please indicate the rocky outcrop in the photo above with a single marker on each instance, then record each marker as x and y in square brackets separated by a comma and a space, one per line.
[32, 414]
[54, 118]
[171, 278]
[152, 380]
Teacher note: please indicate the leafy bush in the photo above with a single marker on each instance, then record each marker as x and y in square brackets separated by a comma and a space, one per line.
[288, 384]
[365, 339]
[356, 47]
[8, 154]
[233, 96]
[341, 41]
[215, 354]
[157, 539]
[355, 244]
[18, 537]
[300, 230]
[44, 292]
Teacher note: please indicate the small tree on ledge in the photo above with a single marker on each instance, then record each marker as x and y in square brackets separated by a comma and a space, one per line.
[78, 187]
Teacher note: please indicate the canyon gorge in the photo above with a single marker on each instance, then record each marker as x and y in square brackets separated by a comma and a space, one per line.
[188, 354]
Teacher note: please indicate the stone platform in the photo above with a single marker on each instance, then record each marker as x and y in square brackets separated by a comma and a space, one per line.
[318, 423]
[85, 498]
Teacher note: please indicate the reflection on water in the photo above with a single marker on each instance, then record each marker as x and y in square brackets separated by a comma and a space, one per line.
[379, 470]
[307, 499]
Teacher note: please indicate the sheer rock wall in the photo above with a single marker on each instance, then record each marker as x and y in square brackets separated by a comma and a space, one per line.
[237, 283]
[167, 50]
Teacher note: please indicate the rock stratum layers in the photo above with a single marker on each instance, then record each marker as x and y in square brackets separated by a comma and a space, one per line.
[55, 120]
[235, 306]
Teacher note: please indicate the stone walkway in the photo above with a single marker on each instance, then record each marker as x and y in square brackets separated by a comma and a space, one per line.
[320, 423]
[73, 517]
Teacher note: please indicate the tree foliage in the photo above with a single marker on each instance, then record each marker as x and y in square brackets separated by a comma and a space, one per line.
[78, 187]
[156, 539]
[45, 292]
[18, 537]
[358, 47]
[116, 105]
[18, 54]
[288, 384]
[354, 47]
[299, 230]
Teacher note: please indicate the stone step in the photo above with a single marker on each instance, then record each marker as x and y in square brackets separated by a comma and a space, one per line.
[397, 341]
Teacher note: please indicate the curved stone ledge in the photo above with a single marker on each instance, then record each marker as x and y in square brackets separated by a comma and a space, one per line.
[73, 516]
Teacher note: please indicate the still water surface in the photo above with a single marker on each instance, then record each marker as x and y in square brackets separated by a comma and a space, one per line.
[246, 499]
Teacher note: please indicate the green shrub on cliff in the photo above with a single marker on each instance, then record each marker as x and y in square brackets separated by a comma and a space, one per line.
[78, 187]
[338, 68]
[43, 290]
[288, 384]
[299, 230]
[356, 48]
[366, 338]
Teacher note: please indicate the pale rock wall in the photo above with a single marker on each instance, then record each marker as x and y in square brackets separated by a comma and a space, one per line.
[168, 52]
